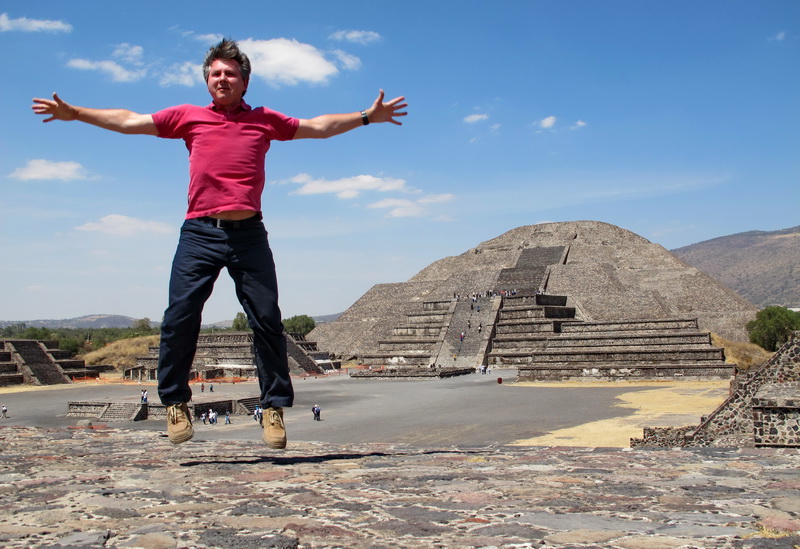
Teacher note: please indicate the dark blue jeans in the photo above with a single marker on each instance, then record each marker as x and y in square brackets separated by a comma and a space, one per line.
[203, 250]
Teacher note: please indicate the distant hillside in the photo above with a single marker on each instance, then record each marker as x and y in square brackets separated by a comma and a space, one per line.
[88, 321]
[320, 319]
[120, 321]
[763, 267]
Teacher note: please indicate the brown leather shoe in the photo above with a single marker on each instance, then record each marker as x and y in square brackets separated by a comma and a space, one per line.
[274, 431]
[179, 423]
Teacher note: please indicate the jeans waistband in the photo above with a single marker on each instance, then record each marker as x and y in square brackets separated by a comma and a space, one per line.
[249, 223]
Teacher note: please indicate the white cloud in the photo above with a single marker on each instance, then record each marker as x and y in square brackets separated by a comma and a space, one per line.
[399, 207]
[122, 225]
[436, 198]
[472, 118]
[183, 74]
[129, 53]
[208, 38]
[578, 124]
[403, 207]
[285, 61]
[347, 61]
[117, 72]
[348, 187]
[547, 123]
[780, 37]
[41, 169]
[355, 36]
[32, 25]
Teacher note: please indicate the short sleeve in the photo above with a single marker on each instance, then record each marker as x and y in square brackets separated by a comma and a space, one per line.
[172, 122]
[281, 127]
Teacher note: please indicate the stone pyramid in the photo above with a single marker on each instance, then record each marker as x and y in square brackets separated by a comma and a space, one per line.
[602, 272]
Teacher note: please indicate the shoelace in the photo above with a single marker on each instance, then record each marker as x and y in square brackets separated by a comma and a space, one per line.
[275, 418]
[173, 415]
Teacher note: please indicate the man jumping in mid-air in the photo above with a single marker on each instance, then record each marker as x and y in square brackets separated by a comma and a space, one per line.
[227, 142]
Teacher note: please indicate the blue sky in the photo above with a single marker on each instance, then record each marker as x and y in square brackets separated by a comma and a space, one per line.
[677, 120]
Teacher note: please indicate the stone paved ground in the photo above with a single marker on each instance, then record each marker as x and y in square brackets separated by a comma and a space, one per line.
[84, 486]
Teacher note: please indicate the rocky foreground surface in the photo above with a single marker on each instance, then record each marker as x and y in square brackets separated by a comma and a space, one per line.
[103, 487]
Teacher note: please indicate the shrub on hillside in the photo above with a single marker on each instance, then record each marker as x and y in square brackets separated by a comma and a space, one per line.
[300, 324]
[772, 327]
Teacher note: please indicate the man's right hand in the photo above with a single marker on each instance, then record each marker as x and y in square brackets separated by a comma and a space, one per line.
[55, 108]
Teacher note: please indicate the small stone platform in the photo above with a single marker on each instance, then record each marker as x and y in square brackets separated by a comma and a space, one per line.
[776, 415]
[102, 487]
[411, 373]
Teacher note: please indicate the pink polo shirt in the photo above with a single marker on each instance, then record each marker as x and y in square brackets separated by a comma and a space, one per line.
[226, 153]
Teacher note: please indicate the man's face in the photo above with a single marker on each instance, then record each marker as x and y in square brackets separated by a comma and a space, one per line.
[225, 83]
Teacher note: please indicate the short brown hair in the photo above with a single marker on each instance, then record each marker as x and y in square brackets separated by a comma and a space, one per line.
[227, 49]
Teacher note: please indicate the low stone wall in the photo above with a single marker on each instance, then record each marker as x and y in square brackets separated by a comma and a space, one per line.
[86, 409]
[410, 373]
[666, 437]
[159, 411]
[717, 370]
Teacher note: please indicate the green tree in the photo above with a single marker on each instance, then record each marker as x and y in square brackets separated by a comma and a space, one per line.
[300, 324]
[772, 327]
[142, 327]
[240, 323]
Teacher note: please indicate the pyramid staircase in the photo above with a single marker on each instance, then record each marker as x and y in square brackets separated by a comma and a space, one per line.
[414, 343]
[308, 356]
[10, 373]
[40, 363]
[124, 411]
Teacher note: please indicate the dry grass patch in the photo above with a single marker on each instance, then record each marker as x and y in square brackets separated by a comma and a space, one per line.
[745, 355]
[123, 352]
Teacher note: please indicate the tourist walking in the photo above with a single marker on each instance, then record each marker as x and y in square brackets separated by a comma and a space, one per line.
[228, 141]
[4, 411]
[317, 411]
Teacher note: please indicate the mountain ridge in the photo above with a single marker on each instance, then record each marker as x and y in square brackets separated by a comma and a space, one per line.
[761, 266]
[97, 321]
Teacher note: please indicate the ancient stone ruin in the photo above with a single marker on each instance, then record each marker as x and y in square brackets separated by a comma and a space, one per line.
[763, 409]
[34, 362]
[557, 301]
[231, 354]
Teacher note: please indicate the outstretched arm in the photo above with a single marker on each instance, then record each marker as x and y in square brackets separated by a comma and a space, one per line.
[118, 120]
[328, 125]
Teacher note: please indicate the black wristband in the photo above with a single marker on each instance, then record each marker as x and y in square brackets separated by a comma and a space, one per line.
[364, 118]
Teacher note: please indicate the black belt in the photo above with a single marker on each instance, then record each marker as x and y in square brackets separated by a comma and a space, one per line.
[249, 223]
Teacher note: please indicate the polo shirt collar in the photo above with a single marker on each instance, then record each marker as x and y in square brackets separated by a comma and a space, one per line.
[242, 107]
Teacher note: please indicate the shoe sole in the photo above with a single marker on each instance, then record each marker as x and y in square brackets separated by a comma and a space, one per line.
[183, 438]
[275, 445]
